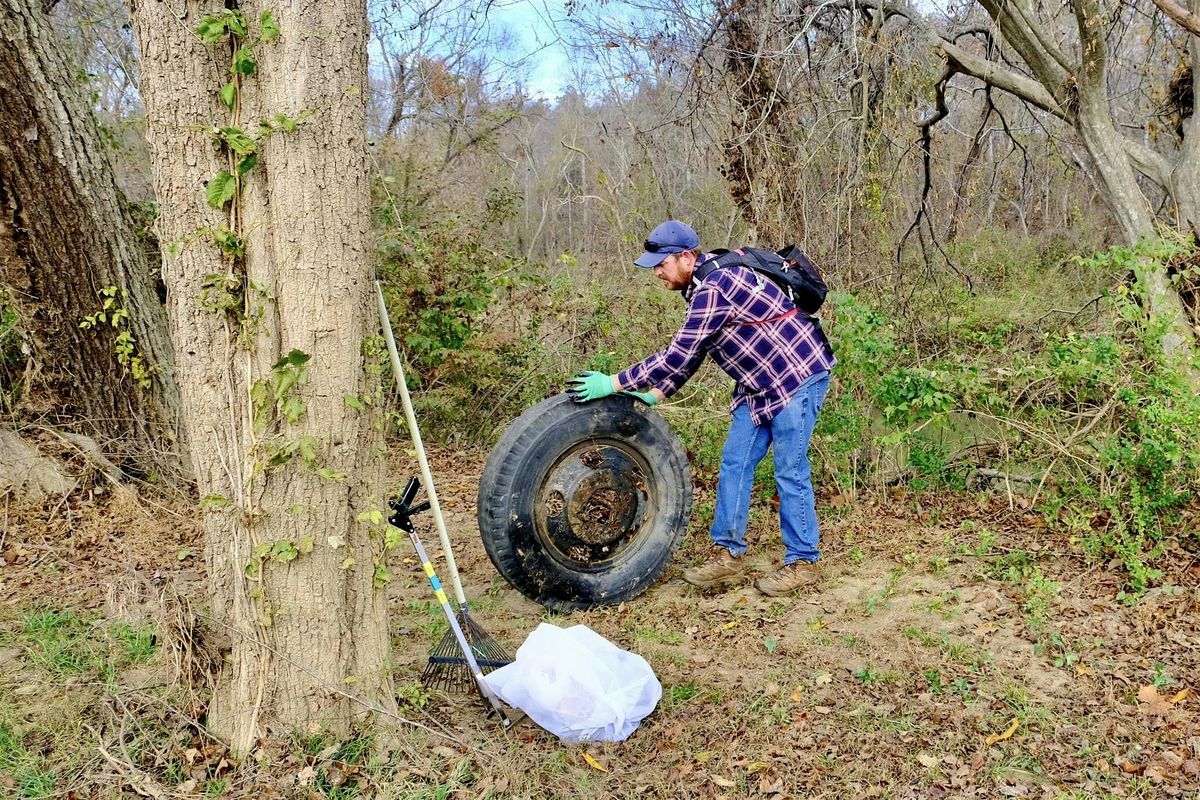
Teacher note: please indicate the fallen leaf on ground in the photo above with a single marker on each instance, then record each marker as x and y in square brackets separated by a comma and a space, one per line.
[797, 695]
[305, 776]
[823, 678]
[1084, 669]
[704, 755]
[722, 782]
[1154, 703]
[1007, 734]
[729, 625]
[767, 787]
[593, 763]
[757, 766]
[1180, 696]
[824, 709]
[928, 760]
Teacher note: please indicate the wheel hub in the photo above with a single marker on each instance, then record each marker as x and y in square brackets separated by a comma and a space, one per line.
[592, 503]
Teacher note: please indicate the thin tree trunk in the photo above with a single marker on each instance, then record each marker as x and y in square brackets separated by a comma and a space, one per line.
[310, 627]
[67, 236]
[1185, 172]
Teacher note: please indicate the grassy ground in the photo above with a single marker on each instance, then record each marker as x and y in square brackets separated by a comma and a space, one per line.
[956, 648]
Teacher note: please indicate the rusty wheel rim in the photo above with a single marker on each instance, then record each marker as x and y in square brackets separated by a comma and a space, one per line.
[592, 504]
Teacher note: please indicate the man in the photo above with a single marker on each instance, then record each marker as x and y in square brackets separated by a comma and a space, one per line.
[781, 363]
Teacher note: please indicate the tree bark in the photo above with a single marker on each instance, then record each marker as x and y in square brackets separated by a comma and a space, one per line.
[1185, 172]
[307, 628]
[1115, 168]
[66, 235]
[757, 108]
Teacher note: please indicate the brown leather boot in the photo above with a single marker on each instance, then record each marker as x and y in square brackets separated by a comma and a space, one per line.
[721, 568]
[785, 580]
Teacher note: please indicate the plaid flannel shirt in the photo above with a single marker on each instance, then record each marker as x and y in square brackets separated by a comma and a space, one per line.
[740, 318]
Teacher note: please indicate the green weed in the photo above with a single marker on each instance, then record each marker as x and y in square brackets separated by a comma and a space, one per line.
[682, 692]
[918, 635]
[32, 779]
[879, 598]
[413, 693]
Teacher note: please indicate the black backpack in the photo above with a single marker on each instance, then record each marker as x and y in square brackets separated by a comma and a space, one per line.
[789, 269]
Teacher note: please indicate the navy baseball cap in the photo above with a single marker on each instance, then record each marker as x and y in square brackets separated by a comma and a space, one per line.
[668, 238]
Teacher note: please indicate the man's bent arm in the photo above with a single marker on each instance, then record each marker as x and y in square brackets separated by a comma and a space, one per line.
[670, 368]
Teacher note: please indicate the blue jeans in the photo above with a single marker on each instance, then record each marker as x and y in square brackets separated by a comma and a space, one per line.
[746, 445]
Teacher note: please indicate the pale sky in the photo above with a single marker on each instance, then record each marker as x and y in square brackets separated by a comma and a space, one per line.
[532, 24]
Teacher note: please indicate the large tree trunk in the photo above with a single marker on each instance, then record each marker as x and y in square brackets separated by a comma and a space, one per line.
[1118, 182]
[65, 236]
[308, 626]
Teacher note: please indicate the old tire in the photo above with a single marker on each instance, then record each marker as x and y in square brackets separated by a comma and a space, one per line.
[583, 504]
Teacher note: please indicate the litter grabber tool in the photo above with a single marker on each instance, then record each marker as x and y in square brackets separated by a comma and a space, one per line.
[447, 668]
[401, 516]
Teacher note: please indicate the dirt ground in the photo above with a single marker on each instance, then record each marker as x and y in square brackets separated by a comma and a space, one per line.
[956, 647]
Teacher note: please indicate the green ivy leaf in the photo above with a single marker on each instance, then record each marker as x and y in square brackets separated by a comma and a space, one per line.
[211, 29]
[270, 28]
[246, 163]
[236, 140]
[258, 398]
[308, 452]
[229, 93]
[293, 410]
[221, 189]
[298, 358]
[381, 577]
[283, 382]
[393, 537]
[243, 62]
[212, 502]
[285, 122]
[353, 402]
[305, 545]
[284, 550]
[235, 19]
[374, 516]
[331, 475]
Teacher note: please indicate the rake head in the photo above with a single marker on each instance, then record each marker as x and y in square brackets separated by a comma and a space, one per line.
[448, 669]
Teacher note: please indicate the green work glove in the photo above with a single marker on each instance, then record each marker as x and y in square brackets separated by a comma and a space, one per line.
[649, 398]
[588, 386]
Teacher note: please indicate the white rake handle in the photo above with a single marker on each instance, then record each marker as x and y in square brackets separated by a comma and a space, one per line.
[415, 432]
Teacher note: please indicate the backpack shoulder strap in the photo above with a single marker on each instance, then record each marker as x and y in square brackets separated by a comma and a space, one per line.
[721, 258]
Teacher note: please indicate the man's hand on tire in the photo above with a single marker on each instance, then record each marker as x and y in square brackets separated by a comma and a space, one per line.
[649, 398]
[588, 386]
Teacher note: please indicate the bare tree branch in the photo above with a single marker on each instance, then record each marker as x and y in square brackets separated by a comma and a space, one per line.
[1184, 18]
[1010, 80]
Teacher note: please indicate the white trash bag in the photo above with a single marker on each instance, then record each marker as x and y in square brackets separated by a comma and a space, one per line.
[578, 685]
